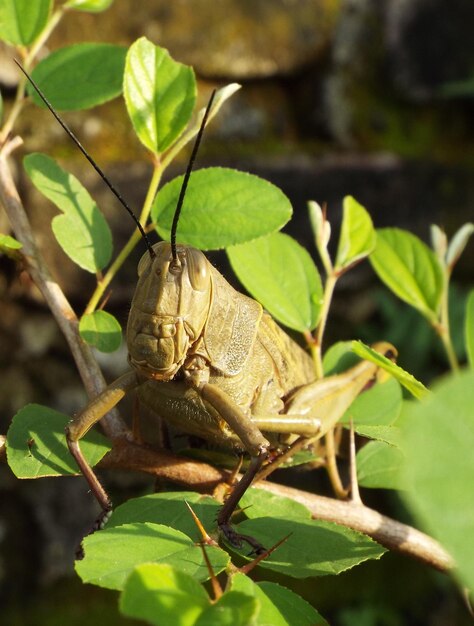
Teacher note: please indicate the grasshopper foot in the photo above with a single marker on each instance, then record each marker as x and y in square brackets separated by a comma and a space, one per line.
[237, 540]
[99, 524]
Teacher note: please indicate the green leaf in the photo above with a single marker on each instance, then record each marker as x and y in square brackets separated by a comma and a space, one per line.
[410, 269]
[280, 273]
[81, 231]
[438, 443]
[257, 503]
[89, 6]
[469, 328]
[36, 444]
[458, 243]
[357, 239]
[80, 76]
[233, 608]
[10, 246]
[379, 466]
[101, 330]
[379, 405]
[414, 386]
[222, 207]
[387, 434]
[278, 605]
[21, 21]
[9, 243]
[162, 594]
[313, 548]
[159, 93]
[112, 553]
[169, 509]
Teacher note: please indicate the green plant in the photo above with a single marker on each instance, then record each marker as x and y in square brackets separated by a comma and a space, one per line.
[148, 550]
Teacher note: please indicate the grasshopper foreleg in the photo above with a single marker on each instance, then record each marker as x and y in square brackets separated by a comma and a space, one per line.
[82, 422]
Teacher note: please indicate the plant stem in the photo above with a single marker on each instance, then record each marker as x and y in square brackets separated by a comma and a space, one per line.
[131, 243]
[318, 342]
[443, 328]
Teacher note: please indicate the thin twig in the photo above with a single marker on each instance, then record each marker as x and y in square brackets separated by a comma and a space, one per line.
[66, 318]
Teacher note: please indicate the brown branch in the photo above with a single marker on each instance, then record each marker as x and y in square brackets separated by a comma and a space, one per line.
[66, 318]
[203, 477]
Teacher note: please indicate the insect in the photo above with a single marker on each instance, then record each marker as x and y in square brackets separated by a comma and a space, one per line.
[210, 361]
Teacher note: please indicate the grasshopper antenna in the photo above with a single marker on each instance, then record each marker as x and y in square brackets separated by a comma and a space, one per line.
[179, 205]
[113, 189]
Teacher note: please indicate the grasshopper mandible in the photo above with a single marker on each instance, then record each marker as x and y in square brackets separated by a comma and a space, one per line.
[210, 361]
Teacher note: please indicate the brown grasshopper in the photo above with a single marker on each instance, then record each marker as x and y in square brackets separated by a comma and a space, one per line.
[210, 361]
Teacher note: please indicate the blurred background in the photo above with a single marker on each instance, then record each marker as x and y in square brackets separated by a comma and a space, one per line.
[372, 98]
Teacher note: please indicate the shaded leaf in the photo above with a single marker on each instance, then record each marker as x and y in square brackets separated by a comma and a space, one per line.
[379, 466]
[379, 405]
[159, 93]
[81, 231]
[280, 273]
[36, 444]
[439, 465]
[222, 207]
[101, 330]
[80, 76]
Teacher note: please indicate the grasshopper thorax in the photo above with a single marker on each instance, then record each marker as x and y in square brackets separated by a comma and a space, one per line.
[169, 309]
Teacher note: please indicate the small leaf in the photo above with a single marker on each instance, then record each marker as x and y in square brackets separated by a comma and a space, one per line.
[36, 444]
[438, 443]
[82, 231]
[162, 594]
[457, 244]
[169, 509]
[80, 76]
[314, 547]
[222, 207]
[21, 21]
[387, 434]
[280, 273]
[469, 328]
[379, 466]
[232, 608]
[339, 358]
[278, 605]
[357, 239]
[9, 243]
[159, 93]
[89, 6]
[101, 330]
[414, 386]
[410, 269]
[112, 554]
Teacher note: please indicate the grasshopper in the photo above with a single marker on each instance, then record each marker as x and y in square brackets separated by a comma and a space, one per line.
[211, 362]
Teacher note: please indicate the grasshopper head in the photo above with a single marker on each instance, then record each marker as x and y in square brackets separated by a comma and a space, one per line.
[169, 309]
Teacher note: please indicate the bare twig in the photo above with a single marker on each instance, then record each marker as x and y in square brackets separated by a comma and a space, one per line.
[87, 365]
